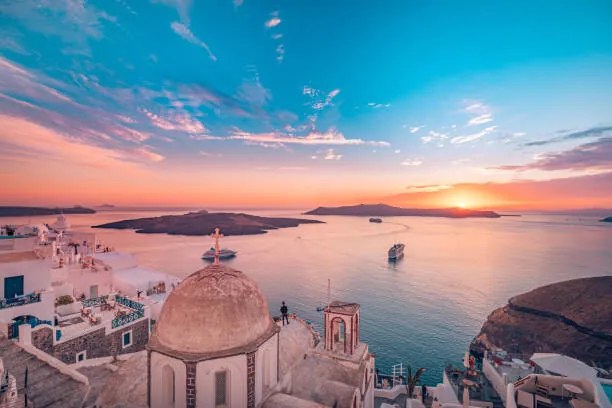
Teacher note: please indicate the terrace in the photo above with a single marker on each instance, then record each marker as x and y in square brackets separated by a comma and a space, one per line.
[109, 312]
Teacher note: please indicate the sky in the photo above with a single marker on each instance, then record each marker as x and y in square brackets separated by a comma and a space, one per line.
[296, 104]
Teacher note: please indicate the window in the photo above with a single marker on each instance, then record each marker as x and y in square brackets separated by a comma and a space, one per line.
[126, 339]
[221, 389]
[82, 356]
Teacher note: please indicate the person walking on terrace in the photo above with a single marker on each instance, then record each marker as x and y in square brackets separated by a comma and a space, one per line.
[285, 313]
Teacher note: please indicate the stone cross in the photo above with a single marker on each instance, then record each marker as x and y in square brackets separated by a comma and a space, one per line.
[216, 235]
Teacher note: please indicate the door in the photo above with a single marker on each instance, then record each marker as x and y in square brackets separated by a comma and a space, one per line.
[93, 291]
[13, 286]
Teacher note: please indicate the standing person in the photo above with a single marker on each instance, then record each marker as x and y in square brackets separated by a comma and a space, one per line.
[285, 313]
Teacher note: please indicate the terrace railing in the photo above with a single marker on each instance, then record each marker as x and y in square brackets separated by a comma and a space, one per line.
[129, 303]
[92, 302]
[128, 318]
[19, 301]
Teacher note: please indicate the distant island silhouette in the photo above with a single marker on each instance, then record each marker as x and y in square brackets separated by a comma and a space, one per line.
[384, 210]
[203, 223]
[20, 211]
[106, 206]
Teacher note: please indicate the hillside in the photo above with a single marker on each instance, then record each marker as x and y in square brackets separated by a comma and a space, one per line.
[572, 317]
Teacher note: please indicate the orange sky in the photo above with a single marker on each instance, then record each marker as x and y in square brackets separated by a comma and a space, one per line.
[43, 167]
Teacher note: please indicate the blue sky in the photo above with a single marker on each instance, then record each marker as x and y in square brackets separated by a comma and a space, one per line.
[325, 96]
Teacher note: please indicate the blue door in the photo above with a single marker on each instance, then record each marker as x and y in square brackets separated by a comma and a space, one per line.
[13, 286]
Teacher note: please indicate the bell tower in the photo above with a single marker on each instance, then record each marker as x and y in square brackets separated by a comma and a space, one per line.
[341, 327]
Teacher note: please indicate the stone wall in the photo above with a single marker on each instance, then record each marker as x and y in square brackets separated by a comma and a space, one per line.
[251, 380]
[42, 338]
[191, 383]
[98, 344]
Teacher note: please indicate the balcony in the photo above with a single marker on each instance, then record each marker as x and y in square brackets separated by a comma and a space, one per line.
[20, 300]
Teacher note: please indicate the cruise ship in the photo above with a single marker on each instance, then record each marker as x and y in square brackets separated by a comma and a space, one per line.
[223, 254]
[396, 251]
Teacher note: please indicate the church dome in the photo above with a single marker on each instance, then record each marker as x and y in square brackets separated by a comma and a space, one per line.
[213, 310]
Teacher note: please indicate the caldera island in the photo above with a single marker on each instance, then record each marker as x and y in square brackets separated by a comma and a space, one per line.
[204, 222]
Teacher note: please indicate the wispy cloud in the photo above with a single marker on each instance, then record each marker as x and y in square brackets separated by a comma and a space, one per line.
[433, 136]
[73, 21]
[273, 21]
[179, 121]
[280, 52]
[328, 154]
[375, 105]
[414, 129]
[29, 141]
[185, 32]
[427, 188]
[412, 162]
[582, 134]
[182, 7]
[331, 137]
[592, 156]
[480, 112]
[474, 136]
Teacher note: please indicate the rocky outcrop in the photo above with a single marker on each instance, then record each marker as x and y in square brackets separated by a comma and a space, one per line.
[572, 318]
[203, 223]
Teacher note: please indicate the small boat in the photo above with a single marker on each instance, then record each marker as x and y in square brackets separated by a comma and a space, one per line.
[396, 251]
[223, 254]
[376, 220]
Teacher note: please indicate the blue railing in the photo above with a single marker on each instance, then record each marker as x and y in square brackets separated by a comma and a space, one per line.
[19, 301]
[128, 318]
[97, 301]
[129, 303]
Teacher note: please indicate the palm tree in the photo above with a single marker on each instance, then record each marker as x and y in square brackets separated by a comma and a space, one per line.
[412, 381]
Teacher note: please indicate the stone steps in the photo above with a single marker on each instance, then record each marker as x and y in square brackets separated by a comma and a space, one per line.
[47, 386]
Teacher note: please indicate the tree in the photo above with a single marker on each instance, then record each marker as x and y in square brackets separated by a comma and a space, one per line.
[412, 381]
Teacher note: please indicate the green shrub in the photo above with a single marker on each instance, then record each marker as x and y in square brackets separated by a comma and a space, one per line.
[64, 300]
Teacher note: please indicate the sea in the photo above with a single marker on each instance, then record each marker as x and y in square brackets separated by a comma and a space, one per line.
[422, 310]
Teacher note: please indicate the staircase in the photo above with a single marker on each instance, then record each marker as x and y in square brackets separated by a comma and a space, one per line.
[47, 386]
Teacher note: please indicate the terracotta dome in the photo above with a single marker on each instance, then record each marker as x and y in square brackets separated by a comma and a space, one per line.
[213, 310]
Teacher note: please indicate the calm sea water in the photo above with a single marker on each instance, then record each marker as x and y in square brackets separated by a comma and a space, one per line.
[422, 310]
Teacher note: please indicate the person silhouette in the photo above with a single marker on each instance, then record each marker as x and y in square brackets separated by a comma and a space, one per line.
[285, 312]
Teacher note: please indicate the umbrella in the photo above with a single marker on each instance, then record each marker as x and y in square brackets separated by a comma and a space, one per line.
[563, 365]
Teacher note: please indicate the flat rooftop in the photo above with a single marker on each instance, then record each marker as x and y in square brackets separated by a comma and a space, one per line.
[8, 257]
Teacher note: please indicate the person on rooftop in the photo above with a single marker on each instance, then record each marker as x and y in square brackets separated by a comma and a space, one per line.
[285, 312]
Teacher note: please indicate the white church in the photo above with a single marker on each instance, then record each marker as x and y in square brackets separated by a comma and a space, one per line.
[216, 345]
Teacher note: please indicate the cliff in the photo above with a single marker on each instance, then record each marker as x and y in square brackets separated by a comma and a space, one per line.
[383, 210]
[572, 318]
[203, 223]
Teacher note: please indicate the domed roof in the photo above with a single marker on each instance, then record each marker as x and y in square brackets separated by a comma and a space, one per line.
[213, 310]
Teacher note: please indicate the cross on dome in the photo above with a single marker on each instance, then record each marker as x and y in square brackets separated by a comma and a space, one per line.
[216, 235]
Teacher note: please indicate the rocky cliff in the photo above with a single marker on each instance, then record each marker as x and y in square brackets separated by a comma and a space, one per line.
[572, 318]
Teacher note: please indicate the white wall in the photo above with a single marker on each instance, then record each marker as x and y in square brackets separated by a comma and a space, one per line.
[267, 351]
[43, 310]
[35, 273]
[497, 380]
[158, 361]
[236, 366]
